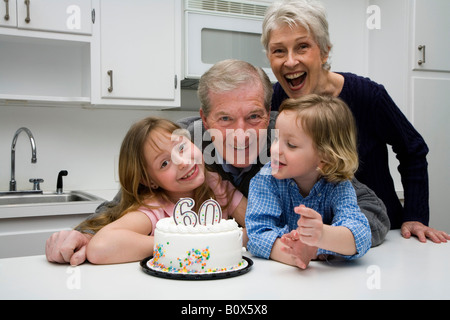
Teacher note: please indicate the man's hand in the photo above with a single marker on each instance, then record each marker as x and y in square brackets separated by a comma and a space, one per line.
[67, 247]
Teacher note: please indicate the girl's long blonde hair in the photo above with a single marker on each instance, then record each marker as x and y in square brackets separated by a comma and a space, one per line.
[134, 178]
[330, 124]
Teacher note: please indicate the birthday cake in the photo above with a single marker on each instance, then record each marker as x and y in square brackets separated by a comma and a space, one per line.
[191, 243]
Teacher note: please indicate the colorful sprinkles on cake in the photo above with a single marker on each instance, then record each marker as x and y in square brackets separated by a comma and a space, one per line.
[158, 252]
[193, 256]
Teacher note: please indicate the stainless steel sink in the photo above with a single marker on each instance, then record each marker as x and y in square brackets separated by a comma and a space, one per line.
[19, 204]
[73, 196]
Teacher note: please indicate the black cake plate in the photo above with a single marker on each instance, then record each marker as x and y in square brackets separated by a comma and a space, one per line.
[195, 276]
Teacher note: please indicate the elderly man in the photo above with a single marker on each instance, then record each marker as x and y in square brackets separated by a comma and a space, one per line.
[233, 131]
[235, 116]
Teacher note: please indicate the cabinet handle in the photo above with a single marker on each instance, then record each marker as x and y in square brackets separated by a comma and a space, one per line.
[27, 19]
[110, 74]
[7, 10]
[422, 48]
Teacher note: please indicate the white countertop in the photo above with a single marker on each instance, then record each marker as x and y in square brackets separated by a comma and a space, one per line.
[398, 269]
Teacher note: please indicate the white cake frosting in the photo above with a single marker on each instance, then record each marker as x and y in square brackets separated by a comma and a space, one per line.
[201, 249]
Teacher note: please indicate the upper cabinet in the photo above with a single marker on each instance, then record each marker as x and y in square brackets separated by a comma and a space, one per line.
[45, 51]
[431, 30]
[136, 53]
[105, 53]
[8, 15]
[71, 16]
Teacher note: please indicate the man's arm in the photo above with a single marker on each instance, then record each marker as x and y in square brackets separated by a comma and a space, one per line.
[69, 246]
[374, 210]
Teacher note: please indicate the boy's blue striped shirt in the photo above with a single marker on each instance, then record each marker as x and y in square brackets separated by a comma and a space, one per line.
[270, 211]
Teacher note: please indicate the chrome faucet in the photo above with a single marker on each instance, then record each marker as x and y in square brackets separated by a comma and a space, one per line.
[12, 183]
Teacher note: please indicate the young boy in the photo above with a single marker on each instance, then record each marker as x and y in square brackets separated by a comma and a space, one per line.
[303, 199]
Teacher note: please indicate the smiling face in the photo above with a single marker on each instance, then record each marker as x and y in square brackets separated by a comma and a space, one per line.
[293, 154]
[174, 163]
[296, 61]
[238, 122]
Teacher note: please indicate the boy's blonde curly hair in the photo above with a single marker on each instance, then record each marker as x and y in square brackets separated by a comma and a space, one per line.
[330, 124]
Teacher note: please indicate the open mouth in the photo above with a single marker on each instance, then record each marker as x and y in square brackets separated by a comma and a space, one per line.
[296, 80]
[240, 147]
[277, 164]
[190, 173]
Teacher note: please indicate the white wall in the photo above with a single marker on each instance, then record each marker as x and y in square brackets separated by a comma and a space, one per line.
[388, 61]
[348, 34]
[83, 141]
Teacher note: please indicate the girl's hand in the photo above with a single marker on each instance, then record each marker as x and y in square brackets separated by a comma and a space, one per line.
[310, 226]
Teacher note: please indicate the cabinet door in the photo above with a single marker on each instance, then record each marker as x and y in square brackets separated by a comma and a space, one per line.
[432, 28]
[71, 16]
[138, 50]
[431, 118]
[8, 13]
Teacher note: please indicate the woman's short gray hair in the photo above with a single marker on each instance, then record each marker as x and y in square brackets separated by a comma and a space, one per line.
[309, 14]
[229, 75]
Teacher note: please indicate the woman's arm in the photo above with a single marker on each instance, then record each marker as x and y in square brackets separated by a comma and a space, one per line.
[123, 240]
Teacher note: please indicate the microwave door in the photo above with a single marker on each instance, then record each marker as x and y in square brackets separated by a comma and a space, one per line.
[212, 38]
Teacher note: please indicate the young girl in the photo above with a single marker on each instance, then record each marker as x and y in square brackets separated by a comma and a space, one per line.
[158, 165]
[303, 200]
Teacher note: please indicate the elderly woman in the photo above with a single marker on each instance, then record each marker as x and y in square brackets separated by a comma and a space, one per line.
[296, 39]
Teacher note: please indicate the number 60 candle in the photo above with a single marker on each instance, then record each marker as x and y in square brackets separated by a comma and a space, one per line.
[209, 212]
[185, 216]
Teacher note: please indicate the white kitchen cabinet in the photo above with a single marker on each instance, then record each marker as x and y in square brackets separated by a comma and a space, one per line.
[431, 117]
[430, 95]
[24, 236]
[70, 16]
[136, 53]
[431, 32]
[119, 53]
[25, 227]
[39, 71]
[8, 16]
[47, 59]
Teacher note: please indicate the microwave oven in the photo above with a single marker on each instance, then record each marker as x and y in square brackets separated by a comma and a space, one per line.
[216, 30]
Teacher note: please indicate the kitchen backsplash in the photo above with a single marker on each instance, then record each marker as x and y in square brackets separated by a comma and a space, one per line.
[85, 142]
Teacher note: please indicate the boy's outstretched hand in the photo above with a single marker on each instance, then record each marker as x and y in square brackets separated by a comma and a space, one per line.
[301, 252]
